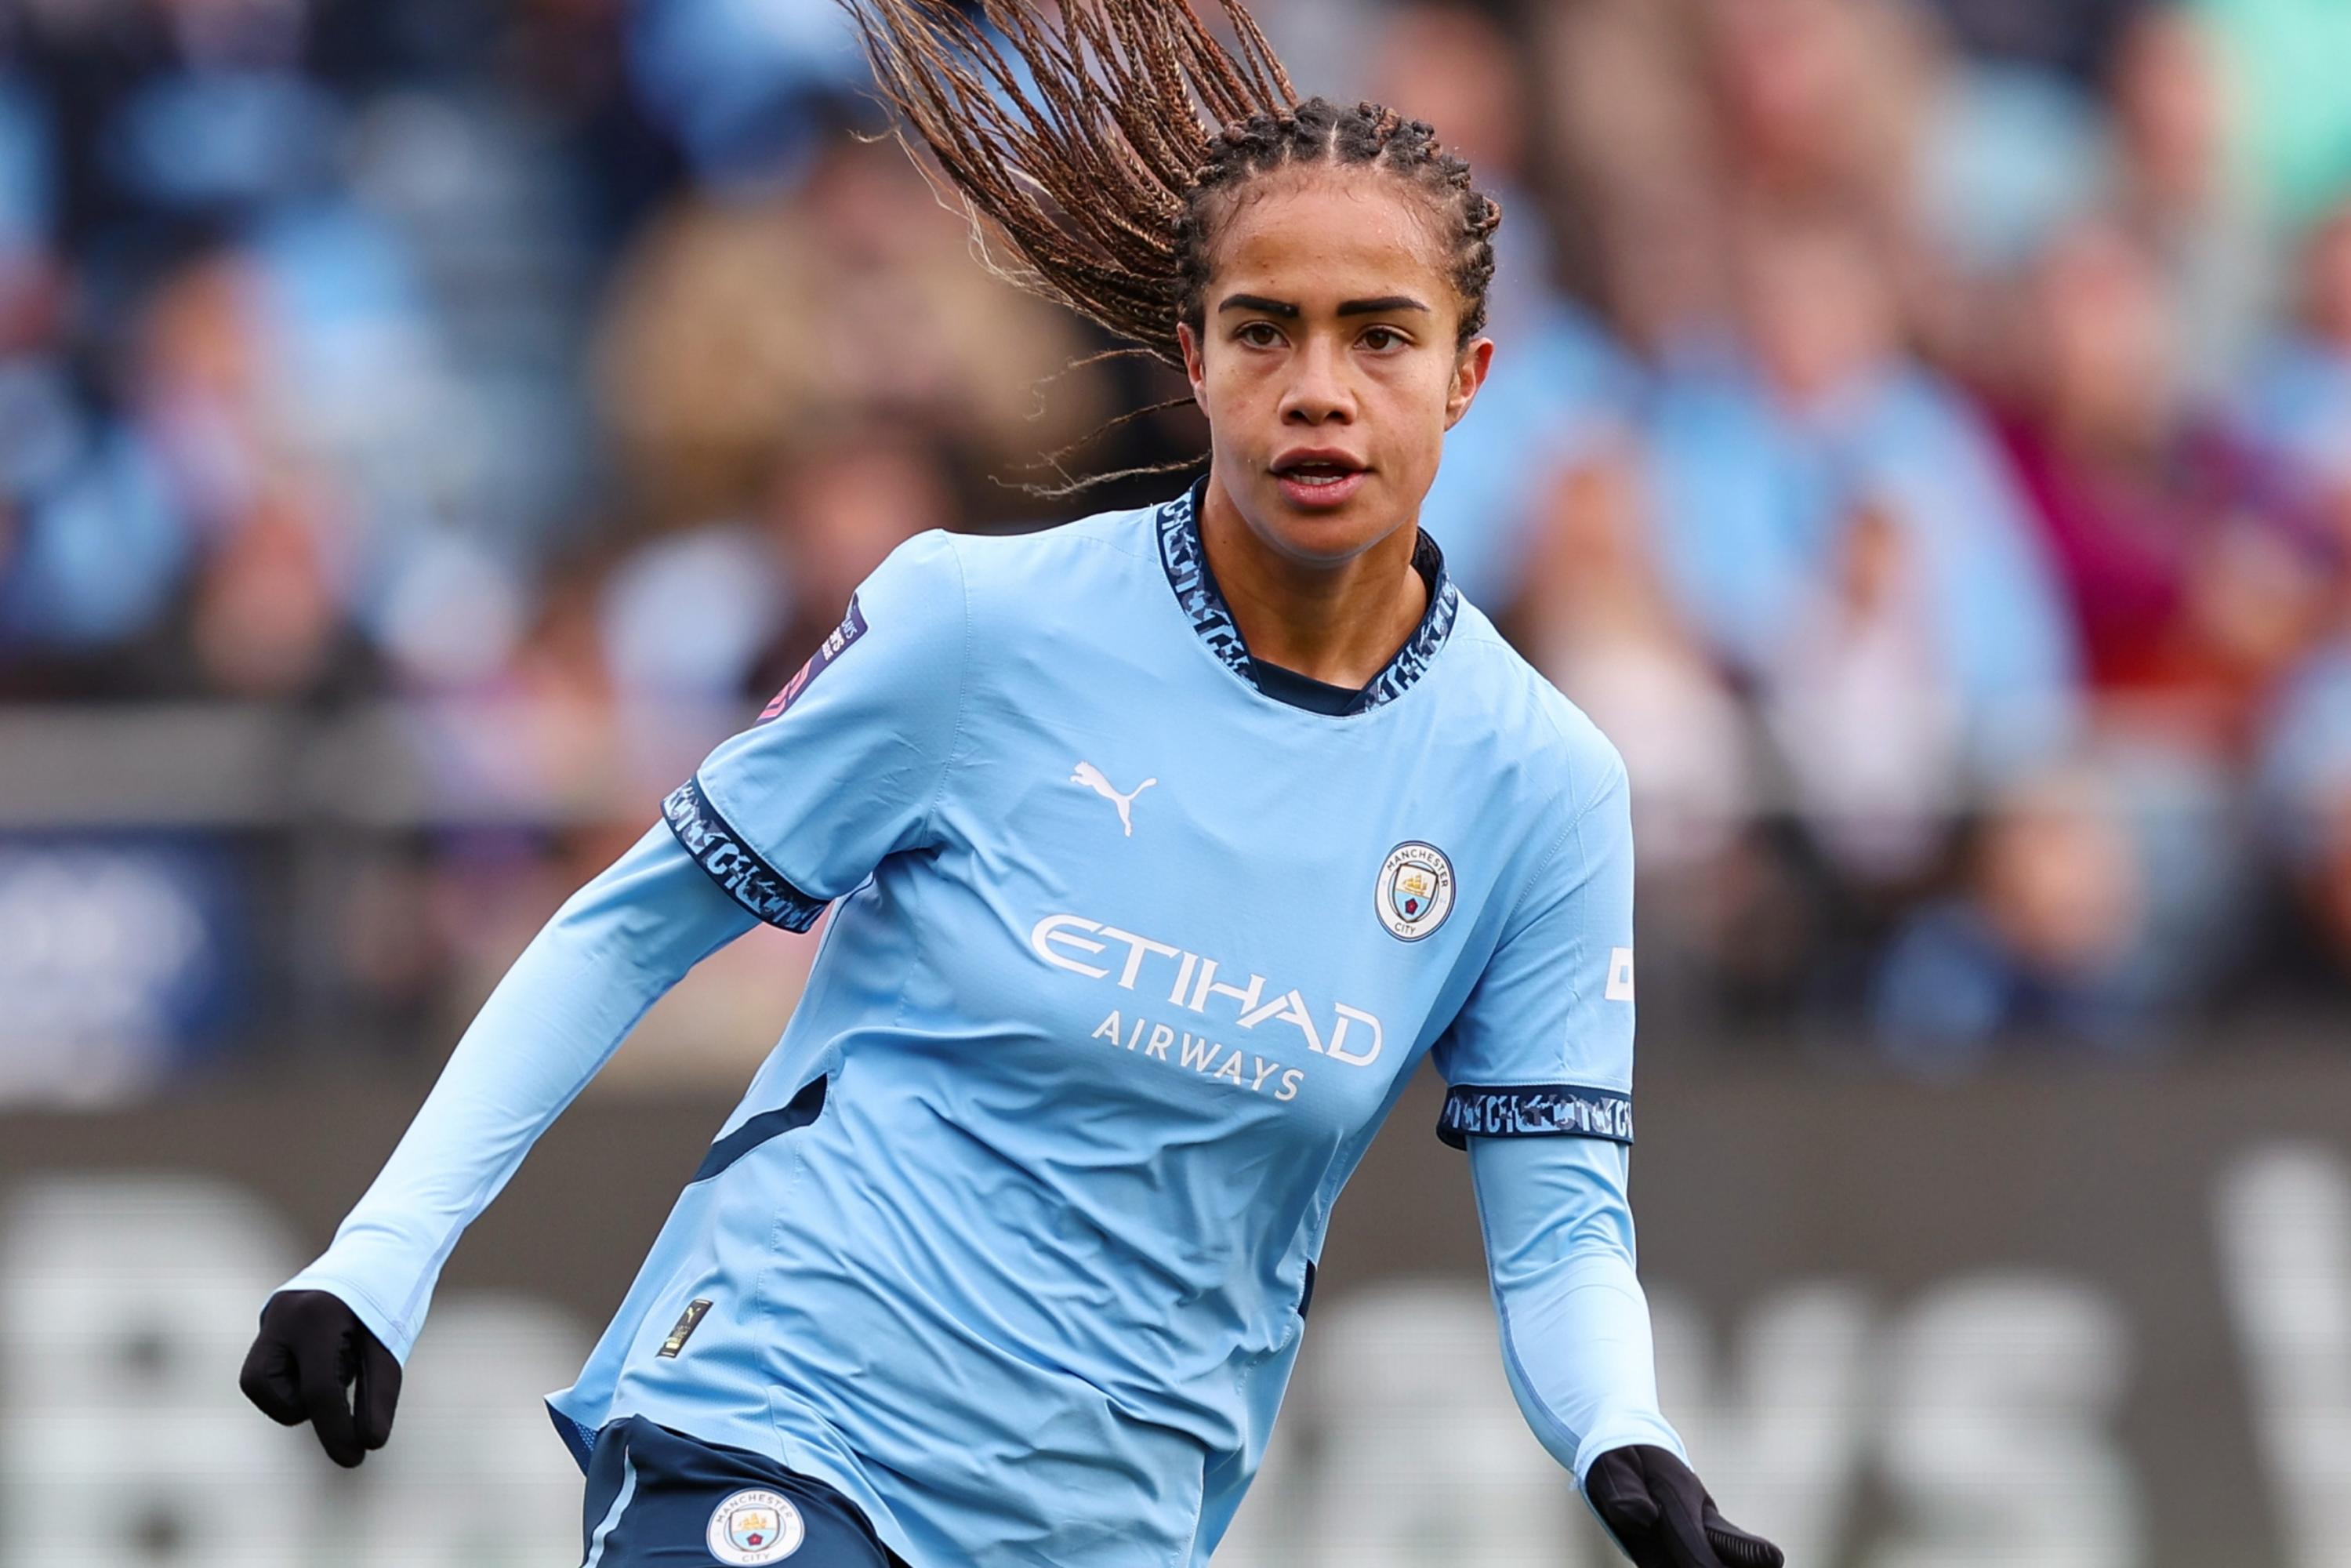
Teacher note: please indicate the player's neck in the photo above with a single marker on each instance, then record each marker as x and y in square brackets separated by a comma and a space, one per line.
[1336, 624]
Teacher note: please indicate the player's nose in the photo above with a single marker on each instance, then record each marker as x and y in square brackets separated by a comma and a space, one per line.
[1318, 393]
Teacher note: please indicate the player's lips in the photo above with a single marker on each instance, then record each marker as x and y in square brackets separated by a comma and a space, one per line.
[1318, 476]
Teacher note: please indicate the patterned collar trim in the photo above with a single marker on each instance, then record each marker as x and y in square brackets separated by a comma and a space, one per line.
[1180, 551]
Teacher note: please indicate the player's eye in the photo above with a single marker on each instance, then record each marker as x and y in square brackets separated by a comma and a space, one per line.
[1380, 339]
[1260, 334]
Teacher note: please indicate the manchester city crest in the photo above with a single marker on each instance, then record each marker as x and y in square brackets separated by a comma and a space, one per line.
[754, 1527]
[1416, 891]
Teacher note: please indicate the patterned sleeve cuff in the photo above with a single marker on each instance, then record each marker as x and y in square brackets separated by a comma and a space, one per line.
[733, 863]
[1535, 1110]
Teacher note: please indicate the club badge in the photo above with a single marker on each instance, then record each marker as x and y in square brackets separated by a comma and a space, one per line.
[1416, 891]
[754, 1527]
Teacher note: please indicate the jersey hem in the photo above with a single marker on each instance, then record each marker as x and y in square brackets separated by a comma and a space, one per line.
[579, 1440]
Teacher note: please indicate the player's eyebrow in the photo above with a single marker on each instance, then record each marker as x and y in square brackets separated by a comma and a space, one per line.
[1383, 304]
[1258, 302]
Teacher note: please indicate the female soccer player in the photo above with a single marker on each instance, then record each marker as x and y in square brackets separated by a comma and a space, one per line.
[1161, 848]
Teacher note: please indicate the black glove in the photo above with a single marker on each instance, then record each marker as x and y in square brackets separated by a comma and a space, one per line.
[1662, 1518]
[310, 1349]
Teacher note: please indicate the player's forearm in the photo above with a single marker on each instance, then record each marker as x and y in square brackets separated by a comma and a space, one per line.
[1575, 1324]
[615, 948]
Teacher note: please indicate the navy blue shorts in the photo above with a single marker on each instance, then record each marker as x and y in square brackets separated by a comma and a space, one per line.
[658, 1499]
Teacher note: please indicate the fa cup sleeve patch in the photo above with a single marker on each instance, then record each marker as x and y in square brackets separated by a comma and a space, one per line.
[852, 627]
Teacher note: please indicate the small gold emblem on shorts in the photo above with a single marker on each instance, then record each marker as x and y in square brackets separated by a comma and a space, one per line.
[687, 1321]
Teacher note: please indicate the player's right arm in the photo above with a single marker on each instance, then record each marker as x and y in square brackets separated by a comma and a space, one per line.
[567, 1004]
[845, 767]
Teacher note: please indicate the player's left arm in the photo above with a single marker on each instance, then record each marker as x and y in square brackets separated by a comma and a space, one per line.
[1540, 1066]
[1576, 1346]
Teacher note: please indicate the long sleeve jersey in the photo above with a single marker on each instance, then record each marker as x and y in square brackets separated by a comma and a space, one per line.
[1012, 1237]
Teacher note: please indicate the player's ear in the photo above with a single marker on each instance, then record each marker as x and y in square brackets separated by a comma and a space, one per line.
[1194, 368]
[1469, 369]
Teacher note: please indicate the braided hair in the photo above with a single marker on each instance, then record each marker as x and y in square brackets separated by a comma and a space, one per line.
[1319, 131]
[1110, 146]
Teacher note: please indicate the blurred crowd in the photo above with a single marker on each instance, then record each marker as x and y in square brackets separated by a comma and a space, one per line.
[1920, 435]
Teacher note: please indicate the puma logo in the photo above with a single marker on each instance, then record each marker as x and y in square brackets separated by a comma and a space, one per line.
[1091, 778]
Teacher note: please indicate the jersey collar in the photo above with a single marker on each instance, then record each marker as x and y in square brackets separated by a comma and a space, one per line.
[1187, 563]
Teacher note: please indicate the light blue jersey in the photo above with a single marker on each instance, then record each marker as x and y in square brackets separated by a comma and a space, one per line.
[1012, 1237]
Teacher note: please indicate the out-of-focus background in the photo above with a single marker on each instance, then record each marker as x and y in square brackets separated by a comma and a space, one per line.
[1920, 435]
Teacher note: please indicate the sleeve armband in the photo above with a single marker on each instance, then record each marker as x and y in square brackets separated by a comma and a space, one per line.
[1535, 1110]
[733, 863]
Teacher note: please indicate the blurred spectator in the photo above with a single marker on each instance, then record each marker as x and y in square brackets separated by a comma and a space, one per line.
[737, 325]
[1629, 138]
[1867, 722]
[2016, 156]
[2180, 184]
[2102, 902]
[2038, 945]
[1601, 626]
[1678, 121]
[1599, 622]
[1818, 100]
[91, 548]
[2298, 400]
[728, 609]
[2194, 571]
[1838, 524]
[266, 611]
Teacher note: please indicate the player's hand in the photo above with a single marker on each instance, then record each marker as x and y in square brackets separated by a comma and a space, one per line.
[1660, 1514]
[310, 1349]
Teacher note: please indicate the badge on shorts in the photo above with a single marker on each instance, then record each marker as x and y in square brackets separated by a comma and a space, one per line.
[1416, 891]
[754, 1527]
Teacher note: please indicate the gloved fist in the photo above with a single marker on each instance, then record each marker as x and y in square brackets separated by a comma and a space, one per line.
[311, 1348]
[1661, 1516]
